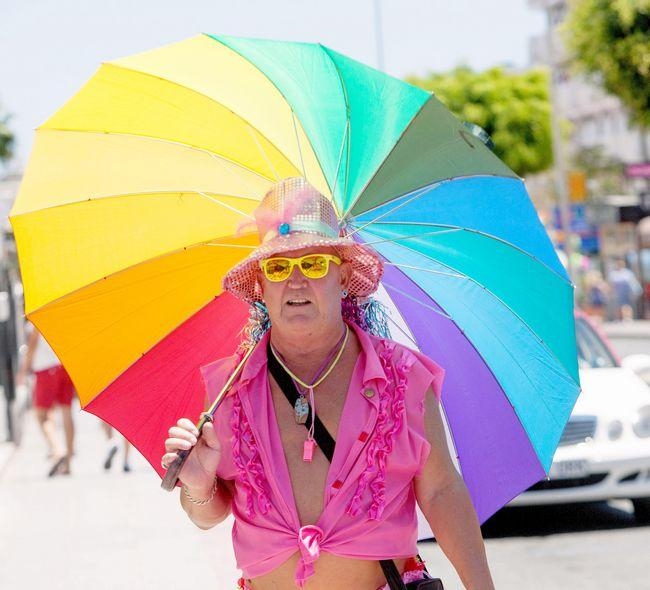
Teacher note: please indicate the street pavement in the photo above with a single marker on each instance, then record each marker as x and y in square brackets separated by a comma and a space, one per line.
[100, 530]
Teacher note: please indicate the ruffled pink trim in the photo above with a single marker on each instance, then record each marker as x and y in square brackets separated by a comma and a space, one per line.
[250, 472]
[389, 424]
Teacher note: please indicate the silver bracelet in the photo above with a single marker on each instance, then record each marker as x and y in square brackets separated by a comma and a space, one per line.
[201, 502]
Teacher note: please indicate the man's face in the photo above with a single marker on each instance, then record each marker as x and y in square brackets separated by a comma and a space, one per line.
[303, 303]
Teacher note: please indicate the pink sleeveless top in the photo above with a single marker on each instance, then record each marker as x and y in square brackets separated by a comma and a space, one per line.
[369, 500]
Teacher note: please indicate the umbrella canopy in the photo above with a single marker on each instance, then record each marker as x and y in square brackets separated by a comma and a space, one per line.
[128, 217]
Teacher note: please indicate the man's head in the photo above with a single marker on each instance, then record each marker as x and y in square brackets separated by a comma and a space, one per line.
[303, 289]
[295, 219]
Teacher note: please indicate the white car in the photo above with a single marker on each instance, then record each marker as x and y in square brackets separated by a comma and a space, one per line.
[604, 452]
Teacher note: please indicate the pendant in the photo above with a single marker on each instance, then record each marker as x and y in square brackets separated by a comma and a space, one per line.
[308, 450]
[301, 410]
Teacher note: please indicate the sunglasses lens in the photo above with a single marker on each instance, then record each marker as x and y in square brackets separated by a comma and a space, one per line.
[277, 269]
[314, 267]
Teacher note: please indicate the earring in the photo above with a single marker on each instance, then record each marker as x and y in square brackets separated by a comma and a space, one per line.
[344, 293]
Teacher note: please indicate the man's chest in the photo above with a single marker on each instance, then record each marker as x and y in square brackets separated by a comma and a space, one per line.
[308, 478]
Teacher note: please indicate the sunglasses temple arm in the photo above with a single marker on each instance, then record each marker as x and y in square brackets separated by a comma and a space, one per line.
[170, 480]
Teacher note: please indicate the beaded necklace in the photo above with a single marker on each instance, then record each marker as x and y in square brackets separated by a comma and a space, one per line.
[301, 407]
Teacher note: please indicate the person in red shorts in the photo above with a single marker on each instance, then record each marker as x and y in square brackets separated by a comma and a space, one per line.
[52, 387]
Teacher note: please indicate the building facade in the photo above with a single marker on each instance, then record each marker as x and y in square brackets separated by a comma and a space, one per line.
[597, 119]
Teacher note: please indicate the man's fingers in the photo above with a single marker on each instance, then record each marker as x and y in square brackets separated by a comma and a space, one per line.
[168, 459]
[188, 425]
[209, 435]
[182, 433]
[176, 444]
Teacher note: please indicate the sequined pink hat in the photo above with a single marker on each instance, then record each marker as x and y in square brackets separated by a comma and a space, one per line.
[294, 215]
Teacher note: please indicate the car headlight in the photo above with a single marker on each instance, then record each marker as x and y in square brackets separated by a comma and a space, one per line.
[641, 423]
[614, 430]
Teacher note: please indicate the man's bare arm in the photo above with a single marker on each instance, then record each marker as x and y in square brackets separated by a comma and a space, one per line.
[445, 502]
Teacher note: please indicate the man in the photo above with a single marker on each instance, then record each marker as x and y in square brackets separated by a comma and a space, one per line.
[52, 387]
[626, 290]
[299, 519]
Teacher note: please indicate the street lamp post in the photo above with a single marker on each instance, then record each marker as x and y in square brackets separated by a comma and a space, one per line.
[558, 148]
[379, 37]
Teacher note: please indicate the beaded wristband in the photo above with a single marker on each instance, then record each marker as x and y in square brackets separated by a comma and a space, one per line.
[201, 502]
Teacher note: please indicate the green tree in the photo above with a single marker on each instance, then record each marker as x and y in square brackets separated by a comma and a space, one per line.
[605, 172]
[6, 139]
[609, 40]
[513, 108]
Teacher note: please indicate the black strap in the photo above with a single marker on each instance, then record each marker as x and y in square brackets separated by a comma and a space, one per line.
[326, 443]
[321, 435]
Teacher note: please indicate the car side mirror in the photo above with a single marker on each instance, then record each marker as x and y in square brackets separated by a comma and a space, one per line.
[640, 364]
[5, 311]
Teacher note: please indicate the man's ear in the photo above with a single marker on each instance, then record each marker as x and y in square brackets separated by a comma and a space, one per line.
[259, 282]
[346, 274]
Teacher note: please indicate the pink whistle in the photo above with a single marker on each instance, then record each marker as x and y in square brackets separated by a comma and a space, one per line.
[308, 450]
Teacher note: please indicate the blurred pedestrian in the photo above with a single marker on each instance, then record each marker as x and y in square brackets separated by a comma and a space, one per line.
[625, 289]
[112, 448]
[598, 294]
[52, 388]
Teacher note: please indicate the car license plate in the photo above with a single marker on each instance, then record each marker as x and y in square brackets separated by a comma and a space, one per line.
[569, 469]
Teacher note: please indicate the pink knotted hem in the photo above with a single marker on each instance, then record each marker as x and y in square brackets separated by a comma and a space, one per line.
[250, 472]
[389, 424]
[309, 538]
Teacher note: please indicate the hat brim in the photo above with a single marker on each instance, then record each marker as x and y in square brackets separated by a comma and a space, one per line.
[367, 267]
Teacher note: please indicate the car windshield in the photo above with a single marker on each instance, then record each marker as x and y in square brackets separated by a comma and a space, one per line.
[592, 351]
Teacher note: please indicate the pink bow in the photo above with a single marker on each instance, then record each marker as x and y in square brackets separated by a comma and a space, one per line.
[309, 538]
[268, 220]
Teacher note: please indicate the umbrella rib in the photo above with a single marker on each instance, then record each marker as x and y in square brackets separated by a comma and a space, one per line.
[253, 133]
[345, 142]
[453, 229]
[280, 92]
[187, 146]
[340, 158]
[417, 194]
[295, 131]
[406, 335]
[452, 274]
[487, 290]
[440, 311]
[226, 206]
[170, 194]
[223, 245]
[206, 96]
[381, 165]
[550, 352]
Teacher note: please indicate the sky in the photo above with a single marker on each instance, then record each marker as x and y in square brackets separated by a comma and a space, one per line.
[49, 48]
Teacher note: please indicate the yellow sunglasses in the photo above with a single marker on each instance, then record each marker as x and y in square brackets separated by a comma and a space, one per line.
[313, 266]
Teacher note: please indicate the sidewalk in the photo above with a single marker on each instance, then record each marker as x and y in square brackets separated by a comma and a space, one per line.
[19, 406]
[630, 329]
[97, 529]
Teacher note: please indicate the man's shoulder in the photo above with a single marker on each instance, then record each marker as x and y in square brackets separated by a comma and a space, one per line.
[392, 348]
[409, 359]
[216, 373]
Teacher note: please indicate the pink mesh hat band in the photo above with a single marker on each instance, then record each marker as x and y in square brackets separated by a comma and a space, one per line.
[293, 215]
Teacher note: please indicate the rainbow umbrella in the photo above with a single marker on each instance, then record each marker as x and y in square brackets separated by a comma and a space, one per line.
[128, 217]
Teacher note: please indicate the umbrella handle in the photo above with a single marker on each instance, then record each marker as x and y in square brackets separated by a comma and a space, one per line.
[173, 471]
[170, 480]
[171, 477]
